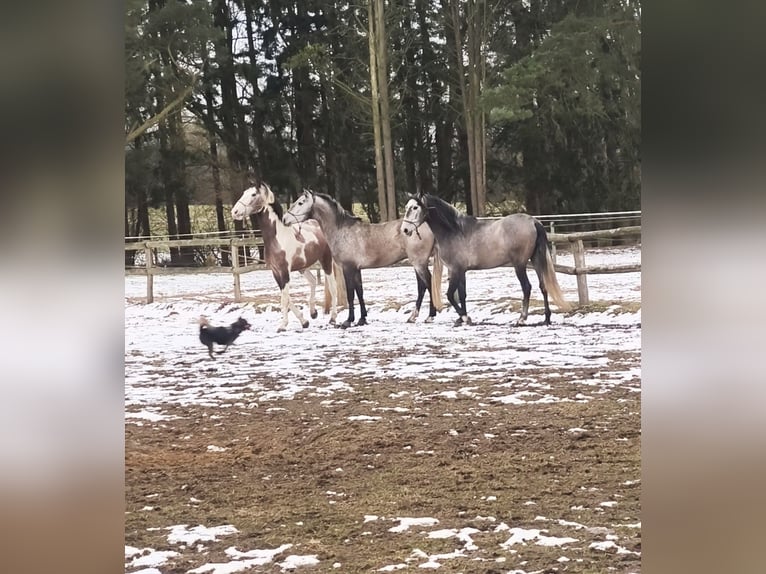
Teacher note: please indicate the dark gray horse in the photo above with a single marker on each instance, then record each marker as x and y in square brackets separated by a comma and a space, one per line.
[468, 243]
[357, 245]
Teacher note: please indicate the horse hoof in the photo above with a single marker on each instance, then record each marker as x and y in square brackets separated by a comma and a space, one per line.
[332, 321]
[280, 329]
[467, 320]
[346, 324]
[458, 322]
[305, 324]
[521, 322]
[429, 320]
[314, 314]
[411, 319]
[361, 322]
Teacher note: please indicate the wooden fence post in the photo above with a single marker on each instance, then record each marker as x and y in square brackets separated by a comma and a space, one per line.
[553, 245]
[235, 271]
[148, 255]
[582, 278]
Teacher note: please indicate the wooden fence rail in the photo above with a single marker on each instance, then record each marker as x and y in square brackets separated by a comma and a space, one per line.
[580, 269]
[237, 268]
[150, 268]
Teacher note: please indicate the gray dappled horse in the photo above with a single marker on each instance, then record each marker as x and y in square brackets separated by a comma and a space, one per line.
[357, 245]
[289, 249]
[466, 242]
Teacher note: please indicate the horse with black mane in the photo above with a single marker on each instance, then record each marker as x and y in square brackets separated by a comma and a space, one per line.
[289, 249]
[467, 243]
[358, 245]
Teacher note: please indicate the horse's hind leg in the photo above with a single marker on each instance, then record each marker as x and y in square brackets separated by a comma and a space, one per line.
[526, 288]
[312, 291]
[544, 291]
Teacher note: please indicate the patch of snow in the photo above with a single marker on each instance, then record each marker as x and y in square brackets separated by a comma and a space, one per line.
[154, 558]
[181, 534]
[611, 545]
[523, 535]
[407, 523]
[292, 562]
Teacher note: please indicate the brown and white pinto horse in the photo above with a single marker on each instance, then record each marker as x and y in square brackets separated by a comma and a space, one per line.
[289, 249]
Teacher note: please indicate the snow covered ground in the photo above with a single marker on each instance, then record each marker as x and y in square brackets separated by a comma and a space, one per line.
[166, 366]
[164, 358]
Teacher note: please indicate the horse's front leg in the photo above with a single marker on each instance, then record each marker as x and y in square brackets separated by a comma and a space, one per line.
[421, 292]
[312, 292]
[461, 292]
[297, 312]
[452, 296]
[349, 275]
[456, 296]
[360, 293]
[284, 303]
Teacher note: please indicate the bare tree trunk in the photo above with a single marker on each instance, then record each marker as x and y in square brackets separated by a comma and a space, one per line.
[230, 118]
[385, 115]
[256, 104]
[375, 97]
[468, 118]
[470, 81]
[330, 153]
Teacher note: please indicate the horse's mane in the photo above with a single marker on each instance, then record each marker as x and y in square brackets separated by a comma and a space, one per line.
[277, 207]
[441, 213]
[344, 218]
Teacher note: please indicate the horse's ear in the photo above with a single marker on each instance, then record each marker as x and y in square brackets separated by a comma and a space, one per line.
[269, 194]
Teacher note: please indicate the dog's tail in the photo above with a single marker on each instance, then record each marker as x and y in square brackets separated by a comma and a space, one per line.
[203, 322]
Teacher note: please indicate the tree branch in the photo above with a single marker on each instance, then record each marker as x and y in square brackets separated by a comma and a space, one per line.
[157, 118]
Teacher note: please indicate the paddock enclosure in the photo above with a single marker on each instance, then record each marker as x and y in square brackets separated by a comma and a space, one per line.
[487, 448]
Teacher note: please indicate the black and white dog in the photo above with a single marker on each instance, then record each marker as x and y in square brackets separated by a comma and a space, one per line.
[220, 335]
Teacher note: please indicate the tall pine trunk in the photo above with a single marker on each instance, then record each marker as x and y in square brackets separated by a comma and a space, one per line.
[385, 114]
[380, 174]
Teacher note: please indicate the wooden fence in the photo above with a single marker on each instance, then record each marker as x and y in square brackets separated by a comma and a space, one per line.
[580, 269]
[237, 268]
[575, 241]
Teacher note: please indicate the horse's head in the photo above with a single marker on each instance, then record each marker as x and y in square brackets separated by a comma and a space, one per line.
[301, 208]
[253, 200]
[415, 213]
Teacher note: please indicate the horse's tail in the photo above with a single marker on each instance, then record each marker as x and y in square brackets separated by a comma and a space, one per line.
[436, 282]
[337, 272]
[543, 262]
[327, 297]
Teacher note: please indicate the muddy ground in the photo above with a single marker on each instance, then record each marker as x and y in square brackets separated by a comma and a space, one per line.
[307, 471]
